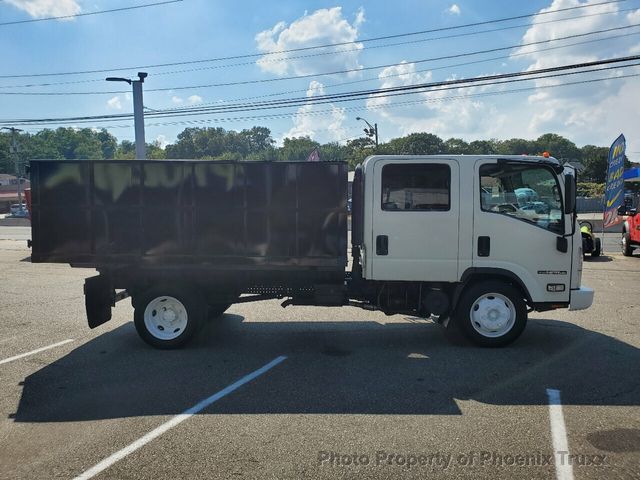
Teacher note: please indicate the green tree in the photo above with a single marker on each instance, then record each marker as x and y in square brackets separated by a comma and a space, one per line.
[558, 146]
[109, 144]
[483, 147]
[155, 151]
[332, 152]
[415, 144]
[357, 150]
[516, 146]
[126, 150]
[595, 161]
[258, 139]
[88, 151]
[456, 146]
[6, 164]
[296, 149]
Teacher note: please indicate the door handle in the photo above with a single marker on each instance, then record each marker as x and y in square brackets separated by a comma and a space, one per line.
[382, 245]
[484, 246]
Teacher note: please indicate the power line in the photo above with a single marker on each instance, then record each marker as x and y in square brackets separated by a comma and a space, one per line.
[387, 45]
[450, 85]
[410, 89]
[446, 98]
[255, 55]
[245, 82]
[350, 96]
[480, 32]
[474, 62]
[64, 17]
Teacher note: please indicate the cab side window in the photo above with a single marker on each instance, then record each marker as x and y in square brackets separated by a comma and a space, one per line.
[526, 192]
[414, 187]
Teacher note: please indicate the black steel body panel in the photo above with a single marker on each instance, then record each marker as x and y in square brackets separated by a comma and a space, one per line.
[188, 213]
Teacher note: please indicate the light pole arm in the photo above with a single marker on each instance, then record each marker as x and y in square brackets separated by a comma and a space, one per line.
[373, 128]
[138, 112]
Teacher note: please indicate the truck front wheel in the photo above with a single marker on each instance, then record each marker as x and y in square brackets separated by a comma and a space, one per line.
[491, 314]
[167, 318]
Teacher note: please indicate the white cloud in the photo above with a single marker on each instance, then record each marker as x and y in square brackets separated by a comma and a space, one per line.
[584, 113]
[434, 111]
[161, 141]
[194, 99]
[325, 127]
[177, 100]
[114, 103]
[454, 9]
[324, 26]
[400, 75]
[47, 8]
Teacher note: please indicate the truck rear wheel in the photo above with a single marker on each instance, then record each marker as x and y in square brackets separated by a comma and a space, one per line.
[491, 314]
[167, 318]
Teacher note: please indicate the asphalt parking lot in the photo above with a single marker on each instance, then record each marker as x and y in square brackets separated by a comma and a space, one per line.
[314, 392]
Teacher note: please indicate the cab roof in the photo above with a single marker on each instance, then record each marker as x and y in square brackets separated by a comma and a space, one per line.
[513, 158]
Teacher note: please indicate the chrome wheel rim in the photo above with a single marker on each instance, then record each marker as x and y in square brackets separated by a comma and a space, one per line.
[492, 315]
[165, 318]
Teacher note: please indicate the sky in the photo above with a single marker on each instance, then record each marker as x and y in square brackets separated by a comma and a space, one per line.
[125, 42]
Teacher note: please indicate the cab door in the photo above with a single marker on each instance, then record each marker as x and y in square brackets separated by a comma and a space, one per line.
[518, 218]
[415, 220]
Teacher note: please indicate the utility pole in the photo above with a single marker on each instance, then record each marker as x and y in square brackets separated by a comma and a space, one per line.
[13, 150]
[138, 112]
[372, 131]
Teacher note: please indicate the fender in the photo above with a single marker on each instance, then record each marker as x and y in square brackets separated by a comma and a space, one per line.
[469, 273]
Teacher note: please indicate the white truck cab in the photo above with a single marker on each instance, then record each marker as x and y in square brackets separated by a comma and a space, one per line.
[495, 226]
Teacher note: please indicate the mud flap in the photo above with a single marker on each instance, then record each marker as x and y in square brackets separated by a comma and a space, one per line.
[99, 297]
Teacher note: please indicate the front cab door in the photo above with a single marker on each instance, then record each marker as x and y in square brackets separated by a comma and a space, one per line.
[518, 217]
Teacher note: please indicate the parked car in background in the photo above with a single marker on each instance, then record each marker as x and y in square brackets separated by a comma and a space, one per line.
[631, 225]
[19, 210]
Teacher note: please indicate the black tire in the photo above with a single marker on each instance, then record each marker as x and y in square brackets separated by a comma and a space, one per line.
[189, 317]
[597, 249]
[216, 310]
[463, 321]
[627, 251]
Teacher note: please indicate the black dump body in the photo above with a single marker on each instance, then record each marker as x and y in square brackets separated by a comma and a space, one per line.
[138, 215]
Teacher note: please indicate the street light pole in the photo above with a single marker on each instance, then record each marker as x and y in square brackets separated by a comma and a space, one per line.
[372, 131]
[16, 160]
[138, 112]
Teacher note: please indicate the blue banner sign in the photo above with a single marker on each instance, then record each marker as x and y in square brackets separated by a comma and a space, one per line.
[614, 191]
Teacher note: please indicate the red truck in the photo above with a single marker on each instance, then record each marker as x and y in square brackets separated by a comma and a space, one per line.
[631, 225]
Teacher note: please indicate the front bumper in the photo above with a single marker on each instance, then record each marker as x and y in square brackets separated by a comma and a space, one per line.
[581, 298]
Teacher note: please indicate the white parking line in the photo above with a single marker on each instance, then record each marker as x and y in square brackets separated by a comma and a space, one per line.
[33, 352]
[564, 470]
[155, 433]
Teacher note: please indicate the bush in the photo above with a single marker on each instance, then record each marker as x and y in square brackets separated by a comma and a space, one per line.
[590, 189]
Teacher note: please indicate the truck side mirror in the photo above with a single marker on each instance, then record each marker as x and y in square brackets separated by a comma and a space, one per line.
[569, 194]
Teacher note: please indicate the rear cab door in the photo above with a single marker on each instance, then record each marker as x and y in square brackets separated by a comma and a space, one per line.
[415, 209]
